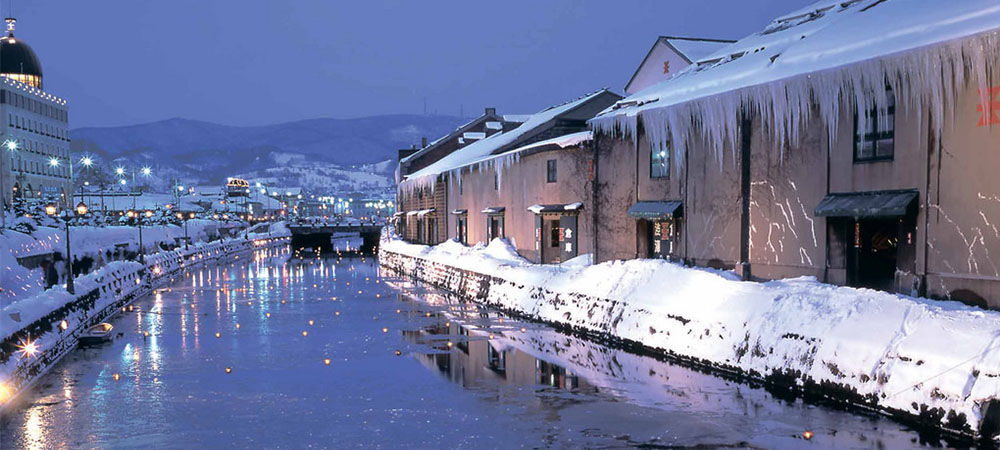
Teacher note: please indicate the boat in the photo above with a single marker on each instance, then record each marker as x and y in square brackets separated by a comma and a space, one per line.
[96, 334]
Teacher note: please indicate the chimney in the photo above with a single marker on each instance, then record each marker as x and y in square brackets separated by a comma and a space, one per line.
[423, 142]
[491, 111]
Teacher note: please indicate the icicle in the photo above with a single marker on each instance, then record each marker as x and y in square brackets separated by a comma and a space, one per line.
[926, 78]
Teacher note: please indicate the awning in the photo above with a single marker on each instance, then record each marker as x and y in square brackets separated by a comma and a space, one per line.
[494, 210]
[670, 209]
[424, 212]
[867, 204]
[412, 213]
[570, 207]
[459, 212]
[399, 213]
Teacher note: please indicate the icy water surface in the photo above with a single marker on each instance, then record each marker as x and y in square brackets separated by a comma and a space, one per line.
[324, 353]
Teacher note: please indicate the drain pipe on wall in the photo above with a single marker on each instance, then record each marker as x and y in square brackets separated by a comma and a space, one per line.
[744, 264]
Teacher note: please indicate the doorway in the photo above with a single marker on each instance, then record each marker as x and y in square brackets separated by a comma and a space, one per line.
[494, 225]
[551, 253]
[873, 261]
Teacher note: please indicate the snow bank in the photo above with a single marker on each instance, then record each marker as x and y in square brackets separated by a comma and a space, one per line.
[936, 360]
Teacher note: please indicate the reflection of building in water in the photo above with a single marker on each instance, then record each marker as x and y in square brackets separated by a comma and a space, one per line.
[473, 359]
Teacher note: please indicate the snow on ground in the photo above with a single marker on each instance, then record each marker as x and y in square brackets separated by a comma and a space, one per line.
[897, 351]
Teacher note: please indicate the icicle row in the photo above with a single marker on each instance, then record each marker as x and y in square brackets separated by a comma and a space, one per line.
[930, 77]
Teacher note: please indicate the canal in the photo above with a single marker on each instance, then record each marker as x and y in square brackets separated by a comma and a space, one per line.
[274, 351]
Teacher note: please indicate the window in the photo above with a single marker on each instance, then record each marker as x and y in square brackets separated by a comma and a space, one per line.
[461, 186]
[876, 142]
[496, 181]
[550, 173]
[659, 162]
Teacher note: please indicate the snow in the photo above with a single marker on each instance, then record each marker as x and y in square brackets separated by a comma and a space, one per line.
[831, 54]
[516, 118]
[695, 49]
[894, 350]
[482, 149]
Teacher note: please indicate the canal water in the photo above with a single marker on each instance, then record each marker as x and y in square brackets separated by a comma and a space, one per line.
[280, 352]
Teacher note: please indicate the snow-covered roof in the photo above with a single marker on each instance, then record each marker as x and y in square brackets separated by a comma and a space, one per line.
[516, 118]
[566, 140]
[848, 48]
[694, 49]
[500, 141]
[458, 132]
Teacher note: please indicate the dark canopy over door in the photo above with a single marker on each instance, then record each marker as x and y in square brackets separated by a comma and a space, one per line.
[871, 204]
[666, 210]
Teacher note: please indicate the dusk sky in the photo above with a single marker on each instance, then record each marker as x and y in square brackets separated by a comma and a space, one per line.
[252, 62]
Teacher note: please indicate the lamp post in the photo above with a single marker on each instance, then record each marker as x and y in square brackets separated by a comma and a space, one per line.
[137, 218]
[81, 211]
[11, 146]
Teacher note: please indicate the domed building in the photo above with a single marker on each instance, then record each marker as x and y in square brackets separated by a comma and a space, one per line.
[34, 130]
[18, 61]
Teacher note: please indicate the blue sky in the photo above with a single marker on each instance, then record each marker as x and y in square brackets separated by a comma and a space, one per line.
[251, 62]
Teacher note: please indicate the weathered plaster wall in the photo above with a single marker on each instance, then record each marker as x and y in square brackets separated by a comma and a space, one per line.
[522, 185]
[963, 249]
[786, 240]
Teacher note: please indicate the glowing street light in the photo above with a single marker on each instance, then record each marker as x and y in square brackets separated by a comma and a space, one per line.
[122, 182]
[146, 171]
[54, 162]
[120, 171]
[11, 145]
[87, 161]
[28, 348]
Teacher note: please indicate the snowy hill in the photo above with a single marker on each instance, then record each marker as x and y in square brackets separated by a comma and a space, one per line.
[206, 152]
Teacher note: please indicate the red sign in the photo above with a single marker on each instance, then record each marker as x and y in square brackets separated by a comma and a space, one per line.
[666, 66]
[990, 107]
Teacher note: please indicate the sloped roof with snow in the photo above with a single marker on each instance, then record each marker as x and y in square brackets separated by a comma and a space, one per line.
[506, 140]
[458, 132]
[564, 141]
[694, 49]
[848, 48]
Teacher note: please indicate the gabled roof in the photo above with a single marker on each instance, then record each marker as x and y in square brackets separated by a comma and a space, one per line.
[453, 135]
[507, 140]
[690, 49]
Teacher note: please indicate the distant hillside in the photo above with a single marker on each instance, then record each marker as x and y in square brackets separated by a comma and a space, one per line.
[208, 152]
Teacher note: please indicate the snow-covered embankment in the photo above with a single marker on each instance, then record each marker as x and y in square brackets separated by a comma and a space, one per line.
[36, 332]
[937, 362]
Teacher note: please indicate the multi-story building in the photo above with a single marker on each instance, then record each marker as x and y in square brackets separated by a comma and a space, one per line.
[527, 183]
[34, 129]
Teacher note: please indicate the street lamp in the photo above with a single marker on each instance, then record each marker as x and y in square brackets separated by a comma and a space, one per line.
[11, 146]
[136, 217]
[81, 210]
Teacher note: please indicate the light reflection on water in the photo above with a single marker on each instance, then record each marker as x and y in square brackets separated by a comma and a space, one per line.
[466, 377]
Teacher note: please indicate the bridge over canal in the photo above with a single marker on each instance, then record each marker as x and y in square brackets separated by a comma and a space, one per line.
[321, 235]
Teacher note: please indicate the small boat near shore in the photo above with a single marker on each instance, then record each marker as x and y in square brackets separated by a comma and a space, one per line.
[97, 334]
